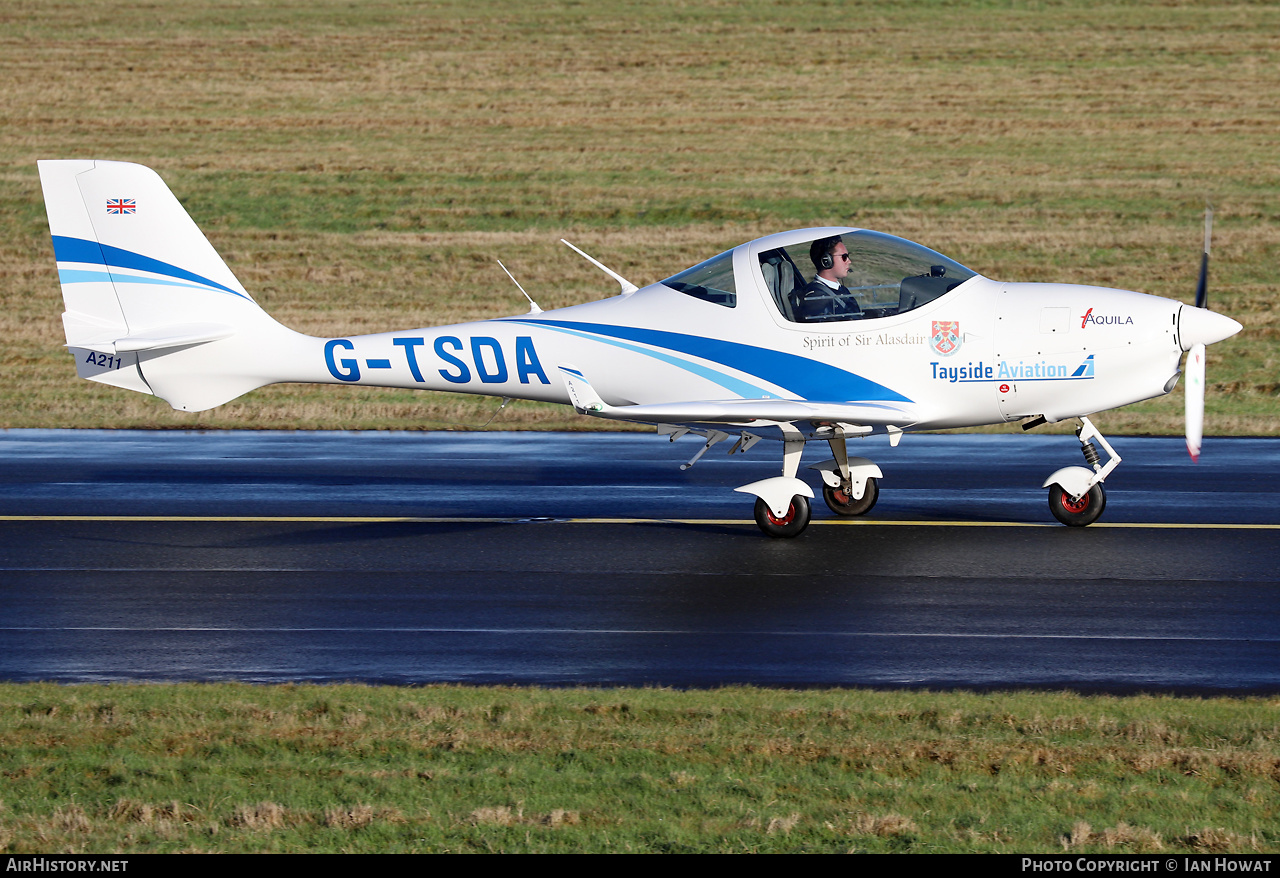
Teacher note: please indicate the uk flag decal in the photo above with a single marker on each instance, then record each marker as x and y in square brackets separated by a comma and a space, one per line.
[121, 205]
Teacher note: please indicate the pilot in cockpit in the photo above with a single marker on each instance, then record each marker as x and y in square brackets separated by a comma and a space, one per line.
[825, 297]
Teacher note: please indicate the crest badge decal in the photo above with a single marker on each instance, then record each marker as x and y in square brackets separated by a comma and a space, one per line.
[946, 338]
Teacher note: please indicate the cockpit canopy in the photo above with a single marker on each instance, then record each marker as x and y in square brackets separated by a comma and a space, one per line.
[885, 275]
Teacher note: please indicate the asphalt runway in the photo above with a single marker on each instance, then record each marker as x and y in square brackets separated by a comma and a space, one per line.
[591, 559]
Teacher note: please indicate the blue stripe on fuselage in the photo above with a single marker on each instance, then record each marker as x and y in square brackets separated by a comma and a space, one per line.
[809, 379]
[728, 382]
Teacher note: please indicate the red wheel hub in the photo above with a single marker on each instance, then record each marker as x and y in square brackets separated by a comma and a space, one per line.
[786, 519]
[1075, 507]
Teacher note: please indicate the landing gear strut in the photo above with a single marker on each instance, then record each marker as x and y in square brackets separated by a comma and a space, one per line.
[1076, 495]
[849, 485]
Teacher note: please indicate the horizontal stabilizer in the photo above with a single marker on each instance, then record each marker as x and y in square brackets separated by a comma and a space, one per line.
[110, 339]
[173, 337]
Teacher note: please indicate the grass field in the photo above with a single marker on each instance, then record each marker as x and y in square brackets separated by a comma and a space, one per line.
[349, 768]
[360, 165]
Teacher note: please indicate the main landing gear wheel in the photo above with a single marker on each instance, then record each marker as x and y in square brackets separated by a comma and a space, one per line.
[841, 502]
[1077, 513]
[790, 525]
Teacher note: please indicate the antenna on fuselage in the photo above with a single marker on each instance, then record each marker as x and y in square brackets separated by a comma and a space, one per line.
[533, 306]
[627, 286]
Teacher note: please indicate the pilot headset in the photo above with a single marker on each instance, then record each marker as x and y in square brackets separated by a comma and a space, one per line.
[821, 252]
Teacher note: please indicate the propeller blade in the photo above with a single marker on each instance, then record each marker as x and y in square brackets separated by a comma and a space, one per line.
[1202, 288]
[1195, 400]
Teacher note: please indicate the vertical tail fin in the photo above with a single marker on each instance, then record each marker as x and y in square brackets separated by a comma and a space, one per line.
[150, 306]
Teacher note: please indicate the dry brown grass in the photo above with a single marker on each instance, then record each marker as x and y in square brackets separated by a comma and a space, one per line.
[262, 817]
[1219, 841]
[882, 825]
[1134, 839]
[505, 815]
[361, 816]
[501, 815]
[71, 818]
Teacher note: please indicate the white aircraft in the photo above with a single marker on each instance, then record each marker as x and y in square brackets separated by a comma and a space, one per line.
[889, 337]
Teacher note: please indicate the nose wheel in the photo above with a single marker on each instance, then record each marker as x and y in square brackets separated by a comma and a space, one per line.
[1077, 511]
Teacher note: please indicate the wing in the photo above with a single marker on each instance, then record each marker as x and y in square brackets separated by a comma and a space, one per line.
[743, 412]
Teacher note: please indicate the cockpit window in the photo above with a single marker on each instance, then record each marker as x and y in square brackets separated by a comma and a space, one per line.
[711, 280]
[881, 276]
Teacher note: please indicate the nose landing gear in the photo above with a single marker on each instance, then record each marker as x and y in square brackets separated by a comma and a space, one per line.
[1076, 495]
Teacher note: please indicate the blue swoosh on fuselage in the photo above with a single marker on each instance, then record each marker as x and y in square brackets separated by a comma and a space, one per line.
[734, 385]
[809, 379]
